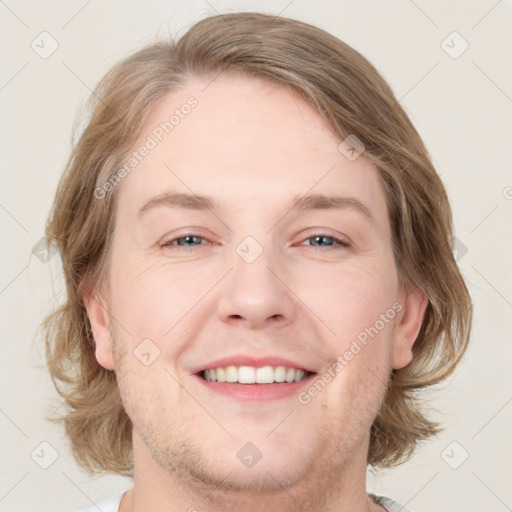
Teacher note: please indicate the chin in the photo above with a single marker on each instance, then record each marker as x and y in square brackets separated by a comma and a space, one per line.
[264, 476]
[239, 465]
[267, 464]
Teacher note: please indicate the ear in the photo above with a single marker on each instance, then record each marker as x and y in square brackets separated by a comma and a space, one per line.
[408, 326]
[100, 325]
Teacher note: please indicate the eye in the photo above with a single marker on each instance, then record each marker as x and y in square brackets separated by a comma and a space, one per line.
[326, 241]
[188, 240]
[318, 241]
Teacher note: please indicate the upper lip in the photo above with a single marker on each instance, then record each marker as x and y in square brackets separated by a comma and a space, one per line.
[246, 360]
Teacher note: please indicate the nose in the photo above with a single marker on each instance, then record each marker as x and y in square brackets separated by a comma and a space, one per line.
[257, 295]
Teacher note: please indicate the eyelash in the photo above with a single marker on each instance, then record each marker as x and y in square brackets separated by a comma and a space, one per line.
[340, 244]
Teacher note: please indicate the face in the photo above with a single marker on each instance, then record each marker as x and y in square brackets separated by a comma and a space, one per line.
[261, 280]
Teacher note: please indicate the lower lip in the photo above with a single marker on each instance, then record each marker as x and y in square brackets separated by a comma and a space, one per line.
[256, 392]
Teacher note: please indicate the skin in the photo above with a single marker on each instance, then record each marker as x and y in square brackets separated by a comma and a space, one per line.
[253, 147]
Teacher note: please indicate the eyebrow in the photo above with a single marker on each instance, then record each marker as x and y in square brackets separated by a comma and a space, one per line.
[302, 203]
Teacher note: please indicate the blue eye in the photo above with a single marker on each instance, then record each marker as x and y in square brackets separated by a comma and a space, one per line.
[187, 239]
[323, 241]
[336, 243]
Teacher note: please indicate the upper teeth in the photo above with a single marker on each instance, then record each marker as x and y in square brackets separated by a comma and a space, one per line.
[250, 375]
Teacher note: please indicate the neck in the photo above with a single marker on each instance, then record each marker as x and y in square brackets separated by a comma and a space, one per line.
[327, 487]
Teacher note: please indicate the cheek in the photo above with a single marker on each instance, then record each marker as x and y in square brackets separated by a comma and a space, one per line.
[149, 298]
[360, 307]
[355, 298]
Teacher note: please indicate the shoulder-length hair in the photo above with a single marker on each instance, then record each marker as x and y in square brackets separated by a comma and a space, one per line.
[353, 99]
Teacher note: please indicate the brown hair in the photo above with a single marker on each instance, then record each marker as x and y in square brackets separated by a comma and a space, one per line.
[353, 99]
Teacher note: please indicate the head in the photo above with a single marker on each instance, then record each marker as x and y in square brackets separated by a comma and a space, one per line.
[262, 119]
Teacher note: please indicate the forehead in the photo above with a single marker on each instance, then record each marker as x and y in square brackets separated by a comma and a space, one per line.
[246, 142]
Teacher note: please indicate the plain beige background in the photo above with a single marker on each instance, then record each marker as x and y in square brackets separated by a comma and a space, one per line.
[461, 103]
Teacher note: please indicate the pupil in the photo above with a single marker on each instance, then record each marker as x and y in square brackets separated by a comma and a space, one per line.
[188, 239]
[320, 238]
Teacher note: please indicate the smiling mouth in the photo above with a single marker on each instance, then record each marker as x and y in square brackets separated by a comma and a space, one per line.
[255, 375]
